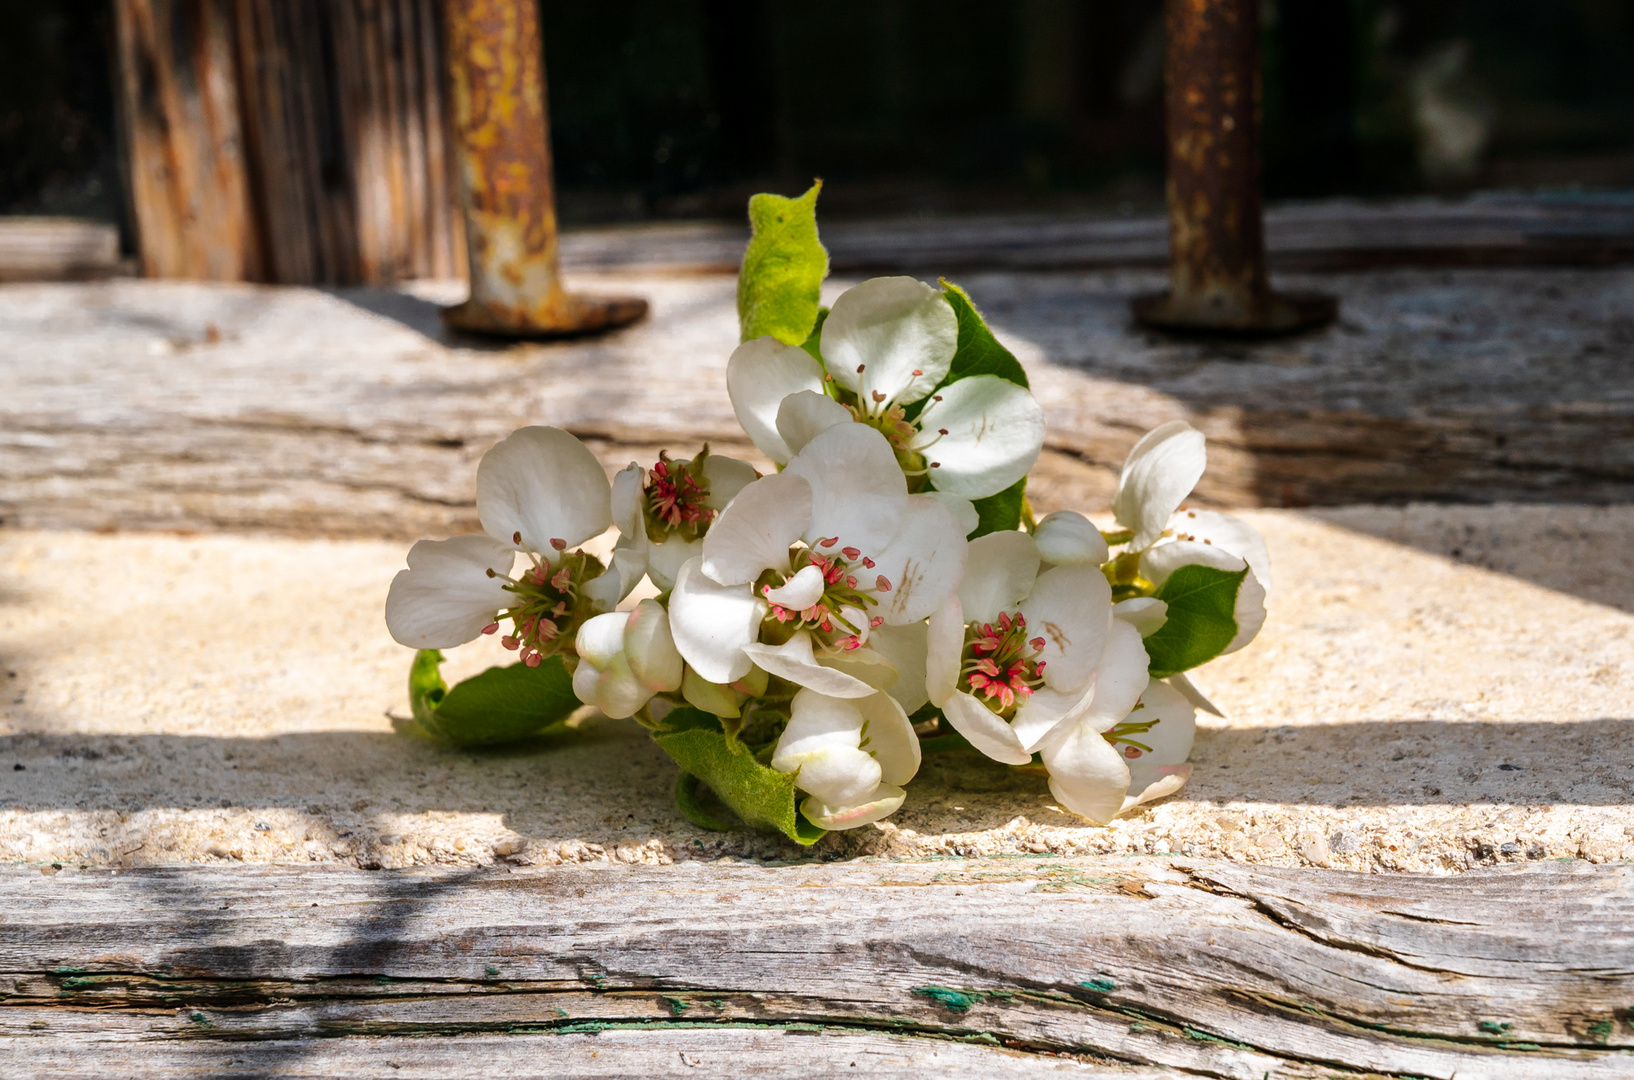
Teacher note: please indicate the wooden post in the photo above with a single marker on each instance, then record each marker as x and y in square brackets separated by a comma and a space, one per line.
[1217, 276]
[189, 183]
[497, 83]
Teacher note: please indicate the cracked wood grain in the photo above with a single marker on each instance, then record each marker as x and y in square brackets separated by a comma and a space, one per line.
[1207, 968]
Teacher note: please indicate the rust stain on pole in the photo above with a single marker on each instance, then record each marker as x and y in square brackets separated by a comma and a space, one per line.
[1217, 278]
[502, 135]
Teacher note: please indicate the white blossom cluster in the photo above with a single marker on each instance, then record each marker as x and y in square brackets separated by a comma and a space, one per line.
[835, 607]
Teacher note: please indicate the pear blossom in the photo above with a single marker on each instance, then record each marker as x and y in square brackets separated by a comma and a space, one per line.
[625, 658]
[850, 756]
[540, 492]
[1155, 740]
[662, 513]
[887, 345]
[1159, 473]
[802, 566]
[1024, 649]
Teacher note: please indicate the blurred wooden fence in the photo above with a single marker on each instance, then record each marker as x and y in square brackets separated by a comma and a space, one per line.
[293, 141]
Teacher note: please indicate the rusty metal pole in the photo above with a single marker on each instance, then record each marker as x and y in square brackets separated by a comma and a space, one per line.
[502, 136]
[1217, 277]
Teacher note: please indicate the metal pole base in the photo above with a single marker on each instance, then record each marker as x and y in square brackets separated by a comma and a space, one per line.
[564, 315]
[1277, 314]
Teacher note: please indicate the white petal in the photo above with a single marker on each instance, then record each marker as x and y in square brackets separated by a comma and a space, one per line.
[1120, 678]
[995, 430]
[857, 487]
[820, 744]
[1000, 569]
[890, 738]
[726, 477]
[626, 503]
[890, 327]
[1171, 779]
[1071, 609]
[585, 678]
[800, 591]
[986, 732]
[650, 647]
[882, 803]
[960, 507]
[1066, 537]
[601, 638]
[1214, 529]
[795, 662]
[606, 589]
[619, 693]
[1170, 740]
[1160, 472]
[903, 647]
[804, 416]
[1145, 613]
[543, 483]
[446, 597]
[760, 374]
[754, 533]
[944, 646]
[712, 623]
[1087, 776]
[665, 560]
[866, 664]
[1164, 559]
[1045, 709]
[924, 562]
[710, 697]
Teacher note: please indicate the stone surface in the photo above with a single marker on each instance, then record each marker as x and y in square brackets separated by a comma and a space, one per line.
[175, 699]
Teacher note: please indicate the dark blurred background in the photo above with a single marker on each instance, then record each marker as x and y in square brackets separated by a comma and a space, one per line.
[680, 108]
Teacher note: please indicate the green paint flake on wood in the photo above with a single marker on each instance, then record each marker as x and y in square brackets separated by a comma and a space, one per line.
[1494, 1027]
[1099, 986]
[677, 1006]
[952, 1000]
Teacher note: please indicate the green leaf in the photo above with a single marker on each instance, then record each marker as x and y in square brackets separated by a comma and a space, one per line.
[1202, 618]
[760, 796]
[503, 704]
[814, 341]
[690, 794]
[978, 351]
[1001, 512]
[783, 268]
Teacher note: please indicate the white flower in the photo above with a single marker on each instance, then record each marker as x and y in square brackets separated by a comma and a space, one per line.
[1155, 741]
[887, 345]
[541, 492]
[663, 513]
[813, 559]
[1018, 653]
[850, 756]
[1160, 472]
[626, 658]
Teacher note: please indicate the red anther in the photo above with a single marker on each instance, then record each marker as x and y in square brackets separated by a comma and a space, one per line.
[869, 563]
[882, 583]
[851, 553]
[876, 622]
[828, 378]
[766, 590]
[852, 643]
[558, 543]
[1037, 643]
[941, 431]
[877, 396]
[917, 372]
[1207, 541]
[936, 464]
[490, 628]
[850, 582]
[936, 397]
[1131, 752]
[1041, 665]
[534, 660]
[510, 643]
[830, 542]
[860, 367]
[516, 538]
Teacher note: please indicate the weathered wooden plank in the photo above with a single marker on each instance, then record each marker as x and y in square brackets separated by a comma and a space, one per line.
[1507, 230]
[189, 180]
[1210, 968]
[57, 248]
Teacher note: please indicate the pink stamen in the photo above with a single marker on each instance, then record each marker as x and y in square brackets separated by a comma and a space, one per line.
[851, 553]
[882, 583]
[490, 628]
[558, 543]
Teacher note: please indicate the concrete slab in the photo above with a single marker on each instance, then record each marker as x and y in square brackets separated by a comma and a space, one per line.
[221, 698]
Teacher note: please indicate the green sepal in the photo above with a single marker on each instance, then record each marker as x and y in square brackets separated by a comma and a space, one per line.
[978, 351]
[759, 795]
[501, 705]
[689, 799]
[1000, 512]
[1202, 610]
[783, 268]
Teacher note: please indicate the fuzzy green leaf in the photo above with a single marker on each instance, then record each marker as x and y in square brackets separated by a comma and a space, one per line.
[501, 705]
[759, 795]
[690, 799]
[978, 351]
[1000, 512]
[783, 268]
[1202, 618]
